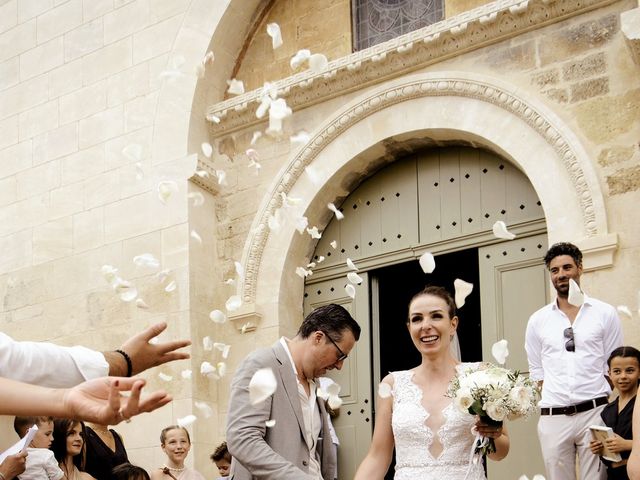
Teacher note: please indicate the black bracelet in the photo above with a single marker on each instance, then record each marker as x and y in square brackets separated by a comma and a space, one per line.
[128, 360]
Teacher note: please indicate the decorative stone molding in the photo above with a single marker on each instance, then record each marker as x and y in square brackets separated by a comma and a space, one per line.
[468, 31]
[630, 26]
[412, 88]
[597, 251]
[246, 320]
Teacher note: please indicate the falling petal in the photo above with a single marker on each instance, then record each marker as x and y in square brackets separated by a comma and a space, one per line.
[313, 174]
[313, 231]
[146, 260]
[427, 262]
[289, 201]
[166, 188]
[311, 265]
[222, 177]
[538, 477]
[202, 173]
[224, 348]
[354, 278]
[299, 58]
[301, 137]
[109, 273]
[351, 265]
[384, 390]
[338, 213]
[186, 374]
[239, 269]
[623, 309]
[279, 109]
[273, 30]
[270, 423]
[301, 224]
[207, 369]
[262, 385]
[575, 297]
[163, 275]
[171, 286]
[230, 281]
[207, 343]
[139, 171]
[154, 341]
[265, 103]
[207, 149]
[165, 377]
[333, 244]
[217, 316]
[252, 154]
[236, 87]
[500, 351]
[186, 421]
[222, 369]
[233, 303]
[213, 118]
[128, 294]
[206, 410]
[350, 289]
[255, 137]
[500, 231]
[463, 289]
[140, 303]
[246, 327]
[208, 58]
[274, 222]
[318, 62]
[334, 402]
[197, 197]
[303, 272]
[321, 259]
[133, 152]
[333, 389]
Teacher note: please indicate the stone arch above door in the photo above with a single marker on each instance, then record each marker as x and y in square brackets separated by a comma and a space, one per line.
[432, 108]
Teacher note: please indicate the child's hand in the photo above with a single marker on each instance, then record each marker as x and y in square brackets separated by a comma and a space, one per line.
[596, 447]
[617, 444]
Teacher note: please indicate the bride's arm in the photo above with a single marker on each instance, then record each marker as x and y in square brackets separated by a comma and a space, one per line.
[499, 435]
[376, 463]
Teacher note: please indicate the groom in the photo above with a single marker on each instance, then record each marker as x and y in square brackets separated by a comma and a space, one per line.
[298, 446]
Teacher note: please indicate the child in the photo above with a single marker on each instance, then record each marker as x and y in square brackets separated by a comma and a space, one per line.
[624, 371]
[175, 443]
[40, 461]
[126, 471]
[222, 458]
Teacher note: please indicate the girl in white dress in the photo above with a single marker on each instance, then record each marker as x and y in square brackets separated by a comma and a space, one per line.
[175, 443]
[433, 439]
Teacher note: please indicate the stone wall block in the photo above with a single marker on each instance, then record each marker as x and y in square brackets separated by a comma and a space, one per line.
[66, 200]
[30, 9]
[9, 131]
[117, 150]
[587, 67]
[85, 39]
[101, 126]
[95, 8]
[17, 40]
[88, 229]
[65, 79]
[39, 179]
[156, 39]
[42, 58]
[577, 40]
[8, 190]
[589, 89]
[17, 254]
[162, 9]
[83, 164]
[9, 73]
[55, 143]
[59, 20]
[38, 120]
[8, 15]
[519, 57]
[615, 155]
[126, 20]
[83, 103]
[23, 96]
[15, 158]
[102, 189]
[52, 240]
[107, 61]
[140, 112]
[127, 85]
[624, 180]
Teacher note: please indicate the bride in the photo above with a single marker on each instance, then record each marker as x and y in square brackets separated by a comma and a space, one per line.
[433, 439]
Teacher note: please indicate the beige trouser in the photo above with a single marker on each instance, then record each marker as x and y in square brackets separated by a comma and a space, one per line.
[564, 436]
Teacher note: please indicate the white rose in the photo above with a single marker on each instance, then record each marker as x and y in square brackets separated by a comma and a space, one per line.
[496, 411]
[463, 400]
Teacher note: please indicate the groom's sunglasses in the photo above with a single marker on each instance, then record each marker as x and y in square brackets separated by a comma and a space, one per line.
[570, 344]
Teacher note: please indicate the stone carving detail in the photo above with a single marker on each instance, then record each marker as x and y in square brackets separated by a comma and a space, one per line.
[401, 93]
[468, 31]
[630, 25]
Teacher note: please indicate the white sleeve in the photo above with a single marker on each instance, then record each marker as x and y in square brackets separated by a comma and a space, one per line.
[51, 467]
[533, 347]
[49, 365]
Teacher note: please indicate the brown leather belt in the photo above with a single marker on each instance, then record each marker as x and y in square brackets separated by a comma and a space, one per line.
[573, 409]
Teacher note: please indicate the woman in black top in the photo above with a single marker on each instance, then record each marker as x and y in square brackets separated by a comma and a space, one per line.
[105, 450]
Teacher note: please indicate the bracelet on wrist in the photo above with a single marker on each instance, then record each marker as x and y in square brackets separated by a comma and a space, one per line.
[127, 359]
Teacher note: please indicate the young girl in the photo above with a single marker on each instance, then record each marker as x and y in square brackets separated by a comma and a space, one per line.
[69, 449]
[624, 371]
[175, 443]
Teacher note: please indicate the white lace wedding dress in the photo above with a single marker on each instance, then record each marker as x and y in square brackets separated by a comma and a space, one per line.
[413, 438]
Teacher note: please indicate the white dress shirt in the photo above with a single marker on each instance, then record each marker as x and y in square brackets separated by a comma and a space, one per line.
[572, 377]
[49, 365]
[41, 465]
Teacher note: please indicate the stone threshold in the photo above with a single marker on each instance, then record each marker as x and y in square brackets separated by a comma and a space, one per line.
[468, 31]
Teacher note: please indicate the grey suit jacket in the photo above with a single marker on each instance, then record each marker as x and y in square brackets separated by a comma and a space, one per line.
[279, 452]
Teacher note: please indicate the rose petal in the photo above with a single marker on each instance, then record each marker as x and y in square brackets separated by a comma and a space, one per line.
[236, 87]
[384, 390]
[197, 197]
[166, 188]
[202, 173]
[230, 281]
[233, 303]
[196, 236]
[139, 171]
[109, 273]
[339, 215]
[222, 177]
[463, 289]
[239, 269]
[206, 410]
[186, 374]
[318, 62]
[222, 369]
[207, 149]
[500, 351]
[301, 224]
[140, 303]
[217, 316]
[273, 30]
[334, 402]
[207, 343]
[350, 289]
[427, 262]
[265, 103]
[146, 260]
[303, 272]
[255, 137]
[128, 294]
[213, 118]
[186, 421]
[207, 369]
[270, 423]
[500, 231]
[333, 244]
[246, 327]
[354, 278]
[165, 377]
[351, 265]
[262, 385]
[301, 137]
[313, 231]
[299, 58]
[321, 259]
[133, 152]
[575, 297]
[208, 58]
[333, 389]
[623, 309]
[171, 286]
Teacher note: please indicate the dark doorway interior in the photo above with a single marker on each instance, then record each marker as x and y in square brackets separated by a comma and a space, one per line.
[398, 283]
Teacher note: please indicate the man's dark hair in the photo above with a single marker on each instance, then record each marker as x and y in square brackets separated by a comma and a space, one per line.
[126, 471]
[563, 248]
[221, 452]
[22, 424]
[331, 319]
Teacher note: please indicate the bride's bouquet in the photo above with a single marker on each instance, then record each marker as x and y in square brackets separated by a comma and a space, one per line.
[495, 394]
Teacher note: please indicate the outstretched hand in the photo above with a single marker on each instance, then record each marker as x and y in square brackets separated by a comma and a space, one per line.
[146, 355]
[99, 400]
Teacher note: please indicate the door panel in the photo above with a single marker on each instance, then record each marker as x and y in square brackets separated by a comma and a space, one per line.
[353, 424]
[513, 285]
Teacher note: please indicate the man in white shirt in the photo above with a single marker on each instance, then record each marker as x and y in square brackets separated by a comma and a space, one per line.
[567, 348]
[299, 445]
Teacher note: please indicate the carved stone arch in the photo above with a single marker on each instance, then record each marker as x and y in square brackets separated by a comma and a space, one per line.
[442, 106]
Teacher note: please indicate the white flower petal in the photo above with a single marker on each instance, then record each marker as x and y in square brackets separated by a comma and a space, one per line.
[202, 173]
[321, 259]
[279, 109]
[301, 224]
[233, 303]
[230, 281]
[236, 87]
[222, 369]
[196, 236]
[109, 272]
[133, 152]
[575, 297]
[186, 421]
[303, 272]
[354, 278]
[140, 303]
[318, 62]
[500, 351]
[384, 390]
[165, 377]
[262, 385]
[139, 171]
[186, 374]
[252, 154]
[213, 118]
[299, 58]
[334, 402]
[301, 137]
[217, 316]
[338, 213]
[273, 30]
[333, 244]
[207, 343]
[239, 269]
[163, 275]
[624, 310]
[166, 188]
[128, 294]
[500, 231]
[225, 351]
[207, 369]
[351, 265]
[313, 231]
[427, 262]
[350, 289]
[255, 137]
[208, 58]
[262, 109]
[171, 286]
[207, 149]
[270, 423]
[206, 410]
[222, 177]
[538, 477]
[146, 260]
[197, 197]
[463, 289]
[314, 174]
[246, 327]
[333, 389]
